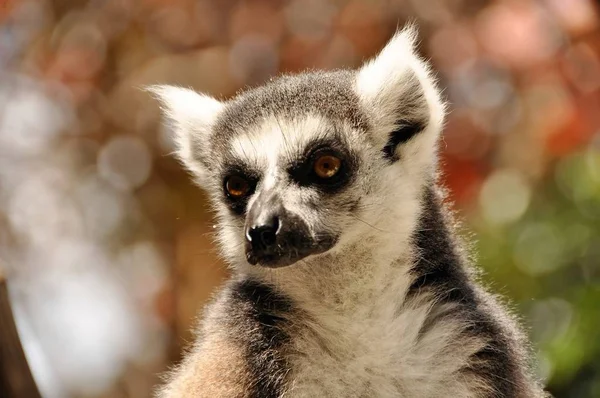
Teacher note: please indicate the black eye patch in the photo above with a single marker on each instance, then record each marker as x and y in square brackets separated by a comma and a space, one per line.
[304, 172]
[236, 177]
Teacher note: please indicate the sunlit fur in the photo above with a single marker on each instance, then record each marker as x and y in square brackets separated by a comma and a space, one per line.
[363, 319]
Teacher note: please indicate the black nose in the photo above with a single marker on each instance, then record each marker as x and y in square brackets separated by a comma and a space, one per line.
[263, 237]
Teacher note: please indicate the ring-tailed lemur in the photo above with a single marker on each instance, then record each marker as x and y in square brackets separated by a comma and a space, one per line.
[349, 280]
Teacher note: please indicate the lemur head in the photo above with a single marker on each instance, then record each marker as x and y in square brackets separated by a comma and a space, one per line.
[309, 163]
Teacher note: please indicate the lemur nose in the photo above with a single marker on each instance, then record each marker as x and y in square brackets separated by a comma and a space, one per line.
[263, 236]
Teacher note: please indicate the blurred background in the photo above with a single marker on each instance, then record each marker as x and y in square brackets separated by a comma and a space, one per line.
[107, 245]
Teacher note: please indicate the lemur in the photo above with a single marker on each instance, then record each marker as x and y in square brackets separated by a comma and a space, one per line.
[349, 279]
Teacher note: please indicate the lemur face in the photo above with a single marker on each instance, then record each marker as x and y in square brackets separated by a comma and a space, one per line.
[289, 183]
[307, 163]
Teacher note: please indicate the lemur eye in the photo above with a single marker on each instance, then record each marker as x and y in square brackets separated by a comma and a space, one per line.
[237, 187]
[327, 166]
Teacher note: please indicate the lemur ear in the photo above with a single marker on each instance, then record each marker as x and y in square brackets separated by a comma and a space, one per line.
[191, 116]
[398, 92]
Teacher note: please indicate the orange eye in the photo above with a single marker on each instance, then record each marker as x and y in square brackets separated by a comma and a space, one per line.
[327, 166]
[237, 187]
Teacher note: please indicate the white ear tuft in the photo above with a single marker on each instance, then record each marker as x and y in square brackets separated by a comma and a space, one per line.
[398, 92]
[191, 116]
[391, 66]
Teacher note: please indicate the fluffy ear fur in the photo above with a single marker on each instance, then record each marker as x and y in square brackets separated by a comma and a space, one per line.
[398, 92]
[191, 116]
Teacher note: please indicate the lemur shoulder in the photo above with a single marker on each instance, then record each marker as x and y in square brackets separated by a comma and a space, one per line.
[349, 280]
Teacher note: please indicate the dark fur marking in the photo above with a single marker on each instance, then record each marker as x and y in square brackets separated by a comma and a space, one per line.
[412, 113]
[439, 271]
[258, 316]
[494, 363]
[439, 265]
[238, 206]
[400, 136]
[301, 170]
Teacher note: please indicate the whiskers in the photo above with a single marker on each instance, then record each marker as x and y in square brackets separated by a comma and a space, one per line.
[367, 224]
[238, 227]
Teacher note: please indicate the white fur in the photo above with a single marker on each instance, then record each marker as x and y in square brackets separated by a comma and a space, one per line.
[191, 115]
[275, 138]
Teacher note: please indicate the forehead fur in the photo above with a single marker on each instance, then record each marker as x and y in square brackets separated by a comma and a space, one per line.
[280, 142]
[327, 94]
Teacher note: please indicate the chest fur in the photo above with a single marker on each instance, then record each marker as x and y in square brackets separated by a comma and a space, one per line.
[382, 352]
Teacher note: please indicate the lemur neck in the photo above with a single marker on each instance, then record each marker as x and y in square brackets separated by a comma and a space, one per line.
[378, 269]
[370, 271]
